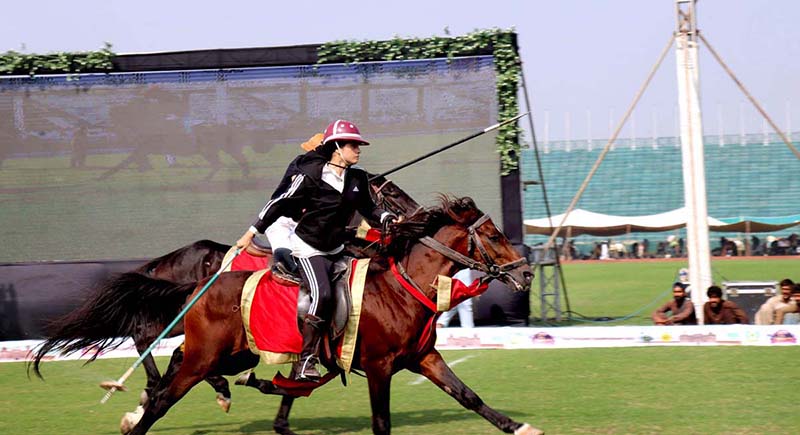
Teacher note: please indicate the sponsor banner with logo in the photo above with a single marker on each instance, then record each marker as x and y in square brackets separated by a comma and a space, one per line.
[20, 350]
[516, 338]
[616, 336]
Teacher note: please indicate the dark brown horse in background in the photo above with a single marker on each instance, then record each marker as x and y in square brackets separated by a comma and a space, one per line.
[122, 307]
[129, 306]
[436, 241]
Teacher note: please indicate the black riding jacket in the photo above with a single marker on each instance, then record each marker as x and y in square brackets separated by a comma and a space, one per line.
[322, 212]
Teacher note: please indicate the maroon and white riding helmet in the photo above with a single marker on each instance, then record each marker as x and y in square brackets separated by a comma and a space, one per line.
[344, 131]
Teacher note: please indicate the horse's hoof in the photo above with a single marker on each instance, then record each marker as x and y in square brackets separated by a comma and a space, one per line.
[527, 429]
[130, 420]
[243, 378]
[224, 402]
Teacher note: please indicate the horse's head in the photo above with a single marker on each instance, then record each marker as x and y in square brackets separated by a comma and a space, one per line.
[189, 263]
[392, 198]
[469, 238]
[487, 245]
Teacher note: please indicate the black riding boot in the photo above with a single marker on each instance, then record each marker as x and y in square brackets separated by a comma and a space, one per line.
[306, 368]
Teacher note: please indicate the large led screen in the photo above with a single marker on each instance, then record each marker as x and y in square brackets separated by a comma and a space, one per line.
[134, 165]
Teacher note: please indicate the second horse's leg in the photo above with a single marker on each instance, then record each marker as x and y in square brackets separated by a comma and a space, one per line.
[220, 385]
[150, 368]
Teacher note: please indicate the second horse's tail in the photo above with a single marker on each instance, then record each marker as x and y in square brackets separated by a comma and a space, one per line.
[112, 313]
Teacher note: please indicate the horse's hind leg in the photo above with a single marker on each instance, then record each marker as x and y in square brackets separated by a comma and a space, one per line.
[235, 151]
[434, 368]
[219, 383]
[221, 386]
[172, 388]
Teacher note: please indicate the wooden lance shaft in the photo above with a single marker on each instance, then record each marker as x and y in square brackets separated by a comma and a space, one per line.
[120, 383]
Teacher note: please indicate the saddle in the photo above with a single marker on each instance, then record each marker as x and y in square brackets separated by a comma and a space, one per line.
[273, 310]
[340, 285]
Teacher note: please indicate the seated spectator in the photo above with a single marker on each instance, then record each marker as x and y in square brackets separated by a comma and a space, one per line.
[791, 307]
[719, 312]
[635, 250]
[680, 309]
[766, 313]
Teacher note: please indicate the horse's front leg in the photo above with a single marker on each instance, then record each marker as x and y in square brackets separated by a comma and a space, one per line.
[281, 423]
[436, 369]
[379, 378]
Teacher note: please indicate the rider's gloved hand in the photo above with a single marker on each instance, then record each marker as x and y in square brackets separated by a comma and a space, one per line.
[245, 240]
[392, 219]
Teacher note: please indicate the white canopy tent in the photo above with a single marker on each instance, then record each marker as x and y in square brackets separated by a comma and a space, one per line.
[586, 222]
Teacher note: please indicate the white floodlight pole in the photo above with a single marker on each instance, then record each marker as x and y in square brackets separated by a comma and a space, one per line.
[694, 178]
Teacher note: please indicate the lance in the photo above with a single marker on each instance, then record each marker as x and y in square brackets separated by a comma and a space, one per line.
[447, 147]
[113, 386]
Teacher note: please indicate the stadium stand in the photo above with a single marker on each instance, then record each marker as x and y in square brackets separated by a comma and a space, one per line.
[752, 175]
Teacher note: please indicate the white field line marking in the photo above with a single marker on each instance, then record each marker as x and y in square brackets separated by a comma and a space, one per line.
[421, 379]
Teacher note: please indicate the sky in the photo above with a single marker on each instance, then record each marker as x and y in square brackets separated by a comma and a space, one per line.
[583, 60]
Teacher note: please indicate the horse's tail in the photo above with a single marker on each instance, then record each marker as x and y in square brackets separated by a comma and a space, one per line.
[111, 313]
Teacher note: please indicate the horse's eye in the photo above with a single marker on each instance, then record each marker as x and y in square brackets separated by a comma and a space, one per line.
[207, 263]
[494, 237]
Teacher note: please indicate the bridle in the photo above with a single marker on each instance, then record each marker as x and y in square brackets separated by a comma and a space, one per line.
[488, 266]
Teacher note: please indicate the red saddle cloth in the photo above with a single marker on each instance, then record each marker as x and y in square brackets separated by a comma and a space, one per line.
[273, 316]
[272, 307]
[245, 261]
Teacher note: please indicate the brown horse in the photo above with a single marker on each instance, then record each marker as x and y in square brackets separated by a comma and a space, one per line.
[128, 305]
[435, 241]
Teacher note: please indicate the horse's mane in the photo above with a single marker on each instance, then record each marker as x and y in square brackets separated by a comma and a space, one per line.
[209, 245]
[427, 221]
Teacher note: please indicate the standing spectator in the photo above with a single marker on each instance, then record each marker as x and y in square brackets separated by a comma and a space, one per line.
[464, 309]
[766, 313]
[791, 307]
[719, 312]
[680, 309]
[755, 246]
[465, 316]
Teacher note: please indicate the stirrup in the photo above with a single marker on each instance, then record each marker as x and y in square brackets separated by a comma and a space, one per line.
[307, 370]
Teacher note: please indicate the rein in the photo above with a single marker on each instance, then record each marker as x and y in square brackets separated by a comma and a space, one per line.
[489, 266]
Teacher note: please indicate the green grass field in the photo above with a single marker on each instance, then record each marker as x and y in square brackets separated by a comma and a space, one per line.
[677, 390]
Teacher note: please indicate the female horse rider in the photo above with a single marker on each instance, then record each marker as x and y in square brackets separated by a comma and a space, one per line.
[323, 196]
